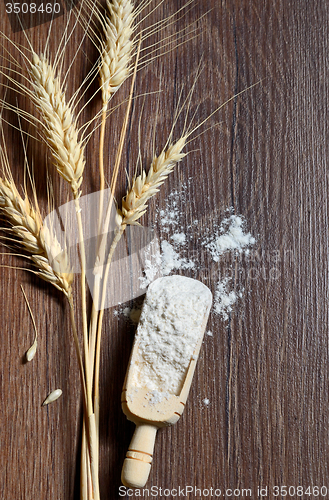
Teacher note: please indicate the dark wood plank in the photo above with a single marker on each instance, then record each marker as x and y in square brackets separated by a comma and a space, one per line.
[265, 371]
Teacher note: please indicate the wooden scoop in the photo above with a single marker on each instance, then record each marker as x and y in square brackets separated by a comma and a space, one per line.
[148, 409]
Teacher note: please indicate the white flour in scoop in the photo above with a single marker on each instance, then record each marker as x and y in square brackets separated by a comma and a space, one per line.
[170, 326]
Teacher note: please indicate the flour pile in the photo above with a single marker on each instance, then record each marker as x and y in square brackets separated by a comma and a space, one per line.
[169, 329]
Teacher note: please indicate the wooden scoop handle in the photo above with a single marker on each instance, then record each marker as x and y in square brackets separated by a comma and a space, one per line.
[137, 465]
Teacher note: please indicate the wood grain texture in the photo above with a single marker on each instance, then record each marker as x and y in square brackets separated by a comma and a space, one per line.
[265, 370]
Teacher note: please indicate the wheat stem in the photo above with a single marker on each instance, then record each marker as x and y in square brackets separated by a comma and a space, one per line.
[100, 318]
[93, 454]
[102, 178]
[101, 152]
[77, 348]
[84, 483]
[90, 417]
[95, 332]
[83, 300]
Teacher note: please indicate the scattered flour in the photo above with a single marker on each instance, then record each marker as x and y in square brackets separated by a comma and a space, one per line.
[209, 333]
[168, 259]
[169, 218]
[179, 238]
[126, 312]
[130, 313]
[224, 299]
[133, 314]
[152, 266]
[163, 263]
[171, 259]
[168, 331]
[206, 401]
[231, 237]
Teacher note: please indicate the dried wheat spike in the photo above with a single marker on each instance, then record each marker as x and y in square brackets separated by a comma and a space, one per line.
[117, 47]
[60, 126]
[134, 204]
[36, 239]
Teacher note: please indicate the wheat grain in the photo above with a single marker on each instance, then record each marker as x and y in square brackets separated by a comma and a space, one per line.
[117, 47]
[60, 125]
[30, 353]
[134, 204]
[52, 397]
[37, 239]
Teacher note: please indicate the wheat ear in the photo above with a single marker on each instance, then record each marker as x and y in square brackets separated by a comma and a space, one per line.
[59, 123]
[117, 46]
[143, 187]
[26, 224]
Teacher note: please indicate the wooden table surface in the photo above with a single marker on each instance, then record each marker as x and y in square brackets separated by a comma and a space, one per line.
[265, 369]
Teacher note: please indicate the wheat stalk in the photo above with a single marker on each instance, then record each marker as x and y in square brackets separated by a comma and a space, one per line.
[59, 123]
[117, 47]
[38, 240]
[68, 152]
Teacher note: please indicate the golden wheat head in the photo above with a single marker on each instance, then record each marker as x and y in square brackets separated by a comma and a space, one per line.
[59, 123]
[26, 224]
[134, 204]
[117, 46]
